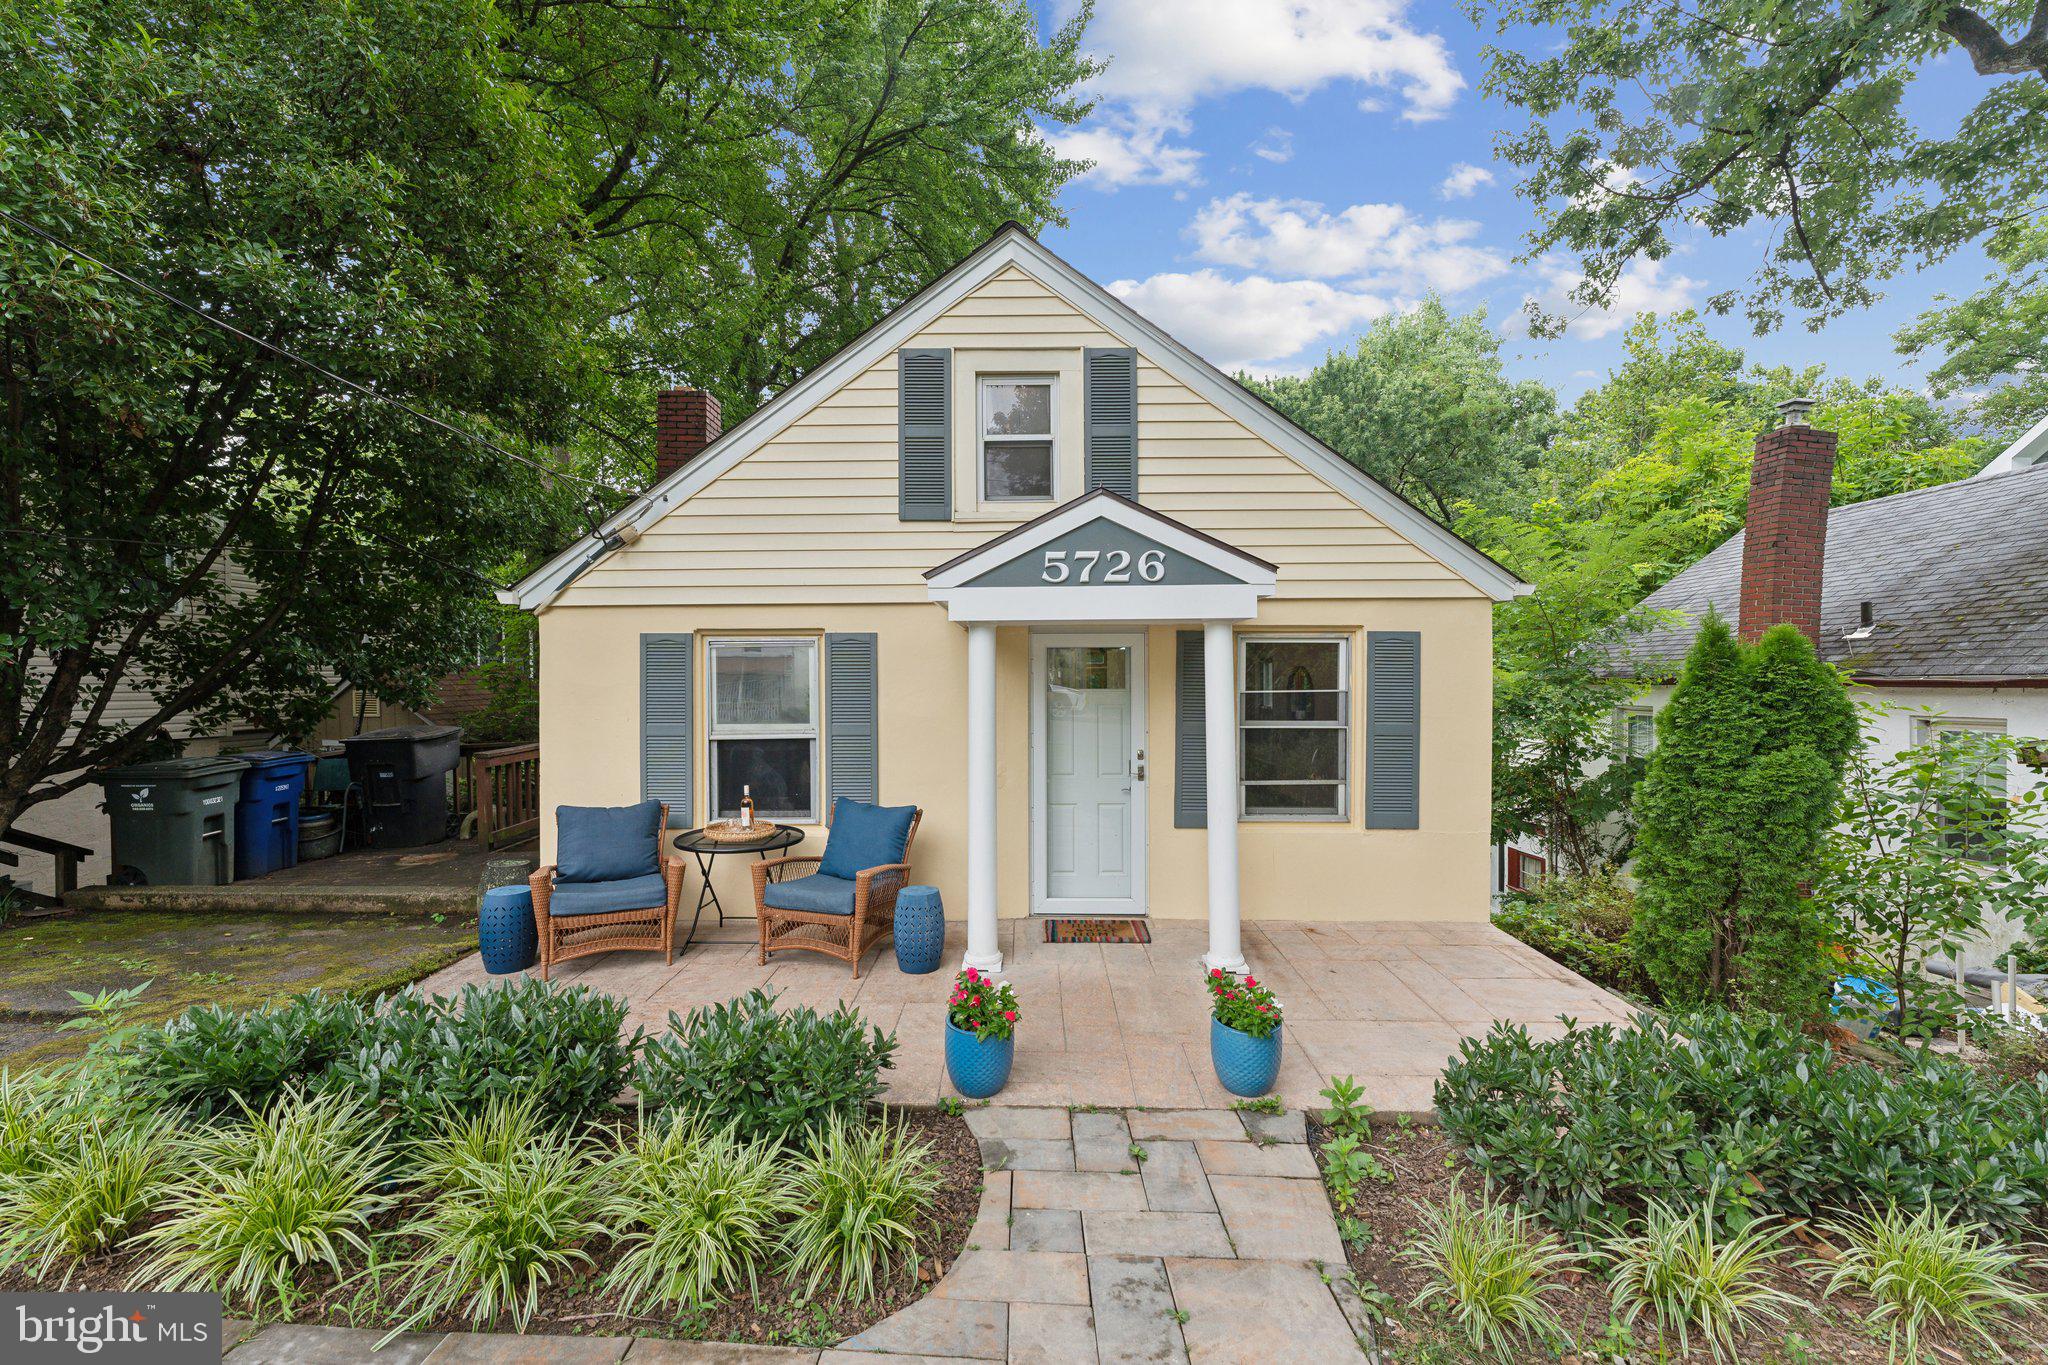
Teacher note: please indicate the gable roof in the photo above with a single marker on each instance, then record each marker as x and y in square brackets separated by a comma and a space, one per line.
[1956, 575]
[1012, 245]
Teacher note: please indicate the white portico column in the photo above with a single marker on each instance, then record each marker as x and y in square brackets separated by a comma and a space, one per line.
[984, 953]
[1219, 714]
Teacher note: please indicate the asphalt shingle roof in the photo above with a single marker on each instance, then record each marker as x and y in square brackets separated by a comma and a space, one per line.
[1957, 579]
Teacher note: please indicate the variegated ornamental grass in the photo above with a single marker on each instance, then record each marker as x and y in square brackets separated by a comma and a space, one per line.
[861, 1193]
[1491, 1266]
[1686, 1273]
[80, 1175]
[1930, 1267]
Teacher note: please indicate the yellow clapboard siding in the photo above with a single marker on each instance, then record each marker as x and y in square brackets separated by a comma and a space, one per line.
[810, 516]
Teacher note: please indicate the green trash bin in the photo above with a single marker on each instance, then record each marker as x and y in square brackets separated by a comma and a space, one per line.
[174, 821]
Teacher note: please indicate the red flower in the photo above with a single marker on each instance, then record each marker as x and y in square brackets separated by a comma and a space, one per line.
[975, 1001]
[1251, 981]
[972, 975]
[1227, 995]
[1010, 1015]
[1216, 973]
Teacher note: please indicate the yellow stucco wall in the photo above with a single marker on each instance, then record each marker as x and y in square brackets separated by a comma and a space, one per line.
[590, 755]
[802, 537]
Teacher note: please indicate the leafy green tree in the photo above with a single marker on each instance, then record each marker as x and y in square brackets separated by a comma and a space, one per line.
[1648, 120]
[1740, 791]
[227, 530]
[1929, 850]
[1420, 403]
[762, 180]
[1996, 339]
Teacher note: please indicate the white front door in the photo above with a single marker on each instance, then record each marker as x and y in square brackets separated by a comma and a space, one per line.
[1088, 774]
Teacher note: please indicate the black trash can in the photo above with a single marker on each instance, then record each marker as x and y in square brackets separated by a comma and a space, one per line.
[403, 772]
[173, 822]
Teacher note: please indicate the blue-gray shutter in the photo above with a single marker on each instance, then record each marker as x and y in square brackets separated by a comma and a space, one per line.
[1110, 381]
[852, 742]
[1393, 729]
[924, 435]
[665, 723]
[1190, 735]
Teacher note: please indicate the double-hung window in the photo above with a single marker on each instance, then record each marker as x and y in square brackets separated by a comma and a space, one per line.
[1018, 452]
[1636, 728]
[1294, 727]
[764, 727]
[1969, 751]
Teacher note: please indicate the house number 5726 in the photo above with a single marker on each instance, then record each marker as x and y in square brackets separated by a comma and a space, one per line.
[1080, 566]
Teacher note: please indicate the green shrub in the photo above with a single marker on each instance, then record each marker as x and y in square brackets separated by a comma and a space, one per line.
[297, 1186]
[1591, 1126]
[1582, 922]
[216, 1061]
[694, 1212]
[1683, 1270]
[768, 1074]
[1490, 1265]
[1929, 1268]
[860, 1192]
[95, 1177]
[497, 1233]
[428, 1056]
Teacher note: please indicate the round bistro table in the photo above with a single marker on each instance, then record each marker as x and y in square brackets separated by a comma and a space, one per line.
[774, 839]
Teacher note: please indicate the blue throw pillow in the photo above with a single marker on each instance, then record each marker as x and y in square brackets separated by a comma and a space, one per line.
[865, 836]
[606, 843]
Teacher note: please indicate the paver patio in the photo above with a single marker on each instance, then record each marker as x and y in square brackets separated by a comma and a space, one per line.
[1127, 1025]
[1055, 1278]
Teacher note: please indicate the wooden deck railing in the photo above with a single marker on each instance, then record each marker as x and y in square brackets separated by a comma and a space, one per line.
[507, 793]
[64, 856]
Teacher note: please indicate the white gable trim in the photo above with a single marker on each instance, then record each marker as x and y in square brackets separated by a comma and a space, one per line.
[2028, 451]
[952, 583]
[1011, 246]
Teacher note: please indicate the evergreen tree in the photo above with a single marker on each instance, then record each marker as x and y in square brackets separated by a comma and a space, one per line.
[1738, 796]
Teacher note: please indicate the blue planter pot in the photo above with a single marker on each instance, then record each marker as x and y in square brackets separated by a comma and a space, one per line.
[979, 1067]
[505, 931]
[1245, 1065]
[920, 930]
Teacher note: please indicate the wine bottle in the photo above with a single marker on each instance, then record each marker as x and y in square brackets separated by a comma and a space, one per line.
[746, 807]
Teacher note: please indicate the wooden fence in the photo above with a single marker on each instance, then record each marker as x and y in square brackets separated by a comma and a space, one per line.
[505, 785]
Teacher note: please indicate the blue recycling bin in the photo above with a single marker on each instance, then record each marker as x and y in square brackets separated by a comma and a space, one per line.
[267, 815]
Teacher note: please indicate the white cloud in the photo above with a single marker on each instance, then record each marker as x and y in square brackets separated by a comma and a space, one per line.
[1128, 153]
[1164, 59]
[1464, 181]
[1276, 146]
[1381, 244]
[1169, 56]
[1253, 321]
[1642, 288]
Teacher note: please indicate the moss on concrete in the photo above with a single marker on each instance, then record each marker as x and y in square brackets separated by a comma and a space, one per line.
[191, 958]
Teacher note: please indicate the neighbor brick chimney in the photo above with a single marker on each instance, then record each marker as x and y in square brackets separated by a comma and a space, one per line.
[1787, 531]
[685, 421]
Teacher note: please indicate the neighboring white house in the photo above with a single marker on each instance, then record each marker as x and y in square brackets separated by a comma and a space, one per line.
[1934, 601]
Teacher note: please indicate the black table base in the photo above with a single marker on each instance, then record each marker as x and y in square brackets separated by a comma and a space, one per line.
[706, 851]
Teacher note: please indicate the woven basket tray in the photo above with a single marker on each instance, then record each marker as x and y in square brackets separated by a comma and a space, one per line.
[726, 832]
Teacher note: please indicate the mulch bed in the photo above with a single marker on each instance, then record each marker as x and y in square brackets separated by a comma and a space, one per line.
[1427, 1166]
[783, 1314]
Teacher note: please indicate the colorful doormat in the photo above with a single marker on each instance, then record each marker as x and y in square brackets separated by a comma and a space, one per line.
[1097, 931]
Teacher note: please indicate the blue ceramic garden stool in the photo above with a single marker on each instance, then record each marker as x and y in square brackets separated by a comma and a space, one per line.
[979, 1066]
[920, 930]
[505, 930]
[1245, 1065]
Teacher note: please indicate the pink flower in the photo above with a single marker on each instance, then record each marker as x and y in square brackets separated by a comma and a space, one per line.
[1215, 973]
[1229, 995]
[1010, 1015]
[973, 975]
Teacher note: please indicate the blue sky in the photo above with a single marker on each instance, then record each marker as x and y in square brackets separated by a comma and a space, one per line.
[1273, 174]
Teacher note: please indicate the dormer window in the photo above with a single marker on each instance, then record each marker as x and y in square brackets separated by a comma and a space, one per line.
[1018, 453]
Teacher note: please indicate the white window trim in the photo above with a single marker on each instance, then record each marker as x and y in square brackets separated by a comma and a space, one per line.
[1344, 780]
[1624, 720]
[714, 732]
[982, 436]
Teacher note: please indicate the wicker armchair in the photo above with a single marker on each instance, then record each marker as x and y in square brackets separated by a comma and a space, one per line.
[831, 932]
[646, 928]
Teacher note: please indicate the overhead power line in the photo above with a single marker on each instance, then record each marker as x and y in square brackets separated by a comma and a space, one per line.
[295, 358]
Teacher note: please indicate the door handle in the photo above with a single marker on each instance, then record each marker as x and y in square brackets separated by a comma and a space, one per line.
[1138, 767]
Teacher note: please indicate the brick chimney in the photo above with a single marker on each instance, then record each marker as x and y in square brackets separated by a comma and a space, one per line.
[1787, 529]
[685, 421]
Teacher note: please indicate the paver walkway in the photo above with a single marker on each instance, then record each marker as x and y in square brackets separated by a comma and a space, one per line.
[1121, 1025]
[1166, 1237]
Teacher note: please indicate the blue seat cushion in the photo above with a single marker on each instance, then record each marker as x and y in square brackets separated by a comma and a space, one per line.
[817, 894]
[605, 898]
[865, 836]
[607, 843]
